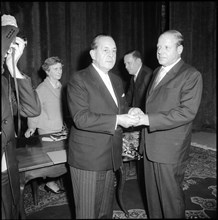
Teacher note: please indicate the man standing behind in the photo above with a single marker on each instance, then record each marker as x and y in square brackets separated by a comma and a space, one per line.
[141, 76]
[172, 102]
[136, 93]
[99, 111]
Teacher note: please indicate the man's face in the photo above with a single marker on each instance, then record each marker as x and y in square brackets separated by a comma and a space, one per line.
[104, 56]
[55, 71]
[167, 50]
[131, 64]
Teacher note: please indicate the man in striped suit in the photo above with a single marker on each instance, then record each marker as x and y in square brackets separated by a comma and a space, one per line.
[99, 110]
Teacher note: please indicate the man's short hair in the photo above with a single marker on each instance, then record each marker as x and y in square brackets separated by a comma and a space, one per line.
[135, 53]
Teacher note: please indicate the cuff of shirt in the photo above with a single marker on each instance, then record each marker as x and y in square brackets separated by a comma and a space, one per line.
[116, 123]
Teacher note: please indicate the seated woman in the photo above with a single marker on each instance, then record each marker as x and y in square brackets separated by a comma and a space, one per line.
[51, 118]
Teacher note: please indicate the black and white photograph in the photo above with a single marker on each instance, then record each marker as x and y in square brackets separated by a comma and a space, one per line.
[109, 110]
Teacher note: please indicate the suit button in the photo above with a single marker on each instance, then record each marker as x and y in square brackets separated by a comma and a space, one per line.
[5, 121]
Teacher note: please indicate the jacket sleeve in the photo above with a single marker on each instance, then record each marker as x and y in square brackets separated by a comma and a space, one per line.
[29, 100]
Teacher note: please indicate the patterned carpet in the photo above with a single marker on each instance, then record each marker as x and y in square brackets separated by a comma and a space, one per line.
[199, 188]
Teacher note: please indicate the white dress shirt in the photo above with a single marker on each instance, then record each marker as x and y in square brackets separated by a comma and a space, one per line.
[137, 73]
[163, 71]
[107, 82]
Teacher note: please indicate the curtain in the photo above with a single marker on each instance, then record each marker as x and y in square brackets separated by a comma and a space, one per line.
[66, 29]
[197, 22]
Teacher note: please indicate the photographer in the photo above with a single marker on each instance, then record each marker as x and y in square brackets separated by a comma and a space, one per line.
[29, 106]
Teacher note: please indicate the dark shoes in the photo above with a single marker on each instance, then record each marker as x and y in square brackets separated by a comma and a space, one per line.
[48, 189]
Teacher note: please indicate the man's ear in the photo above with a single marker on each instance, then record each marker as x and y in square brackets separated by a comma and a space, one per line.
[138, 60]
[180, 49]
[92, 54]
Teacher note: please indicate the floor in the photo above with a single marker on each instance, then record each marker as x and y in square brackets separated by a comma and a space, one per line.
[204, 140]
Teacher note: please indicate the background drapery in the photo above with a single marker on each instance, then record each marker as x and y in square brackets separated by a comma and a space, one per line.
[197, 21]
[65, 29]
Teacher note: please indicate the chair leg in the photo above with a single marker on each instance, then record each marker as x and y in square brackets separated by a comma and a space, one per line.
[132, 167]
[61, 183]
[34, 185]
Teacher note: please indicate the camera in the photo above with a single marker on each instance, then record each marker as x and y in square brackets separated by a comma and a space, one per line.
[24, 38]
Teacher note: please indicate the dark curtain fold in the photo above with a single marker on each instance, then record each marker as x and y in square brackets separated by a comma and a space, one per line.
[65, 29]
[197, 22]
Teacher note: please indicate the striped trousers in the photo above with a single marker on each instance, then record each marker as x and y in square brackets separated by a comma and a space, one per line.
[93, 193]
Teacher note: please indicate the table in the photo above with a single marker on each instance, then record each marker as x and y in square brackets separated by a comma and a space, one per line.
[34, 162]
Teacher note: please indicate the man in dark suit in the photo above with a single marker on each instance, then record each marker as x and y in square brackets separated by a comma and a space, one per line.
[99, 110]
[141, 76]
[136, 93]
[13, 46]
[172, 102]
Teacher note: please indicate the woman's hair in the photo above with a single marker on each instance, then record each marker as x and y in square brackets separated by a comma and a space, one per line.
[51, 61]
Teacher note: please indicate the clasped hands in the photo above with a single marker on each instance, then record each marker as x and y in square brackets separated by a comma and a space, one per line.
[135, 117]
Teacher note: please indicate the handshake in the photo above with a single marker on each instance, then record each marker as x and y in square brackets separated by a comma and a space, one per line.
[135, 117]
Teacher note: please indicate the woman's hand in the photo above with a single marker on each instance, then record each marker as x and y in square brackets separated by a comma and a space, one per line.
[29, 132]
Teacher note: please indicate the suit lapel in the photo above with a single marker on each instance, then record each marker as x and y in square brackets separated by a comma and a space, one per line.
[113, 82]
[150, 87]
[170, 74]
[139, 78]
[103, 90]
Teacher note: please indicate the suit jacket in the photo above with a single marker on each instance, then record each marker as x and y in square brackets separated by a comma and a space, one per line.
[171, 107]
[94, 143]
[29, 106]
[136, 93]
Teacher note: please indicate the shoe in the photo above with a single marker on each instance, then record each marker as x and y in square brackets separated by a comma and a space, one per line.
[48, 189]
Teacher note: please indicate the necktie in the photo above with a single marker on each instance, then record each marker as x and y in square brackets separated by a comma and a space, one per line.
[135, 77]
[133, 92]
[160, 76]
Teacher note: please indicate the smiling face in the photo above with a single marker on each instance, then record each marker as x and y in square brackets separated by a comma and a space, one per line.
[104, 55]
[168, 50]
[55, 71]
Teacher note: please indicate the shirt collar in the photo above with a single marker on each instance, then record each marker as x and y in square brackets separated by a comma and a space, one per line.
[98, 70]
[137, 73]
[167, 68]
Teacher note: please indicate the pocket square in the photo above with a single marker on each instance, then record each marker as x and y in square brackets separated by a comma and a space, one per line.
[123, 95]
